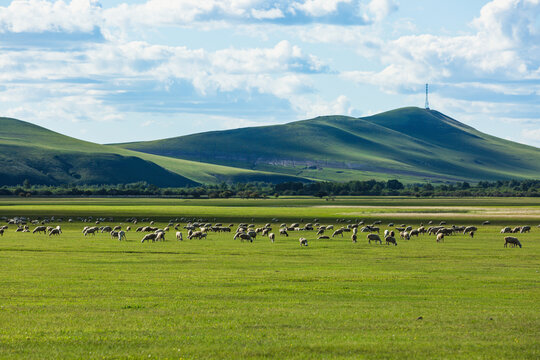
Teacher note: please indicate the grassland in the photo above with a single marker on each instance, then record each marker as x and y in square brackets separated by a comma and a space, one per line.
[76, 297]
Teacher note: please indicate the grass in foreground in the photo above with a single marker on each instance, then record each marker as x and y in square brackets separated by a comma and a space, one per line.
[76, 297]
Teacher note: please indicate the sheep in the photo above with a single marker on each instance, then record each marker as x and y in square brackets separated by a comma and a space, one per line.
[323, 237]
[106, 229]
[272, 237]
[265, 231]
[303, 242]
[516, 229]
[525, 229]
[353, 238]
[1, 232]
[440, 237]
[374, 237]
[243, 236]
[117, 228]
[486, 222]
[408, 228]
[469, 229]
[511, 240]
[151, 236]
[128, 228]
[114, 234]
[405, 235]
[283, 232]
[40, 229]
[320, 232]
[471, 234]
[413, 233]
[90, 230]
[160, 236]
[390, 240]
[506, 230]
[54, 231]
[338, 232]
[330, 227]
[179, 236]
[386, 233]
[122, 235]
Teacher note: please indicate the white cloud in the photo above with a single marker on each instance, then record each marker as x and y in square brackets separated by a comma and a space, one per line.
[41, 16]
[309, 107]
[381, 8]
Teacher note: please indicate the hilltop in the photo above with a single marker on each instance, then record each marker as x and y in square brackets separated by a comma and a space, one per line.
[33, 153]
[409, 143]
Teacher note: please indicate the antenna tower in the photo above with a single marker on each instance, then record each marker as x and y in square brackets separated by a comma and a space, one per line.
[427, 101]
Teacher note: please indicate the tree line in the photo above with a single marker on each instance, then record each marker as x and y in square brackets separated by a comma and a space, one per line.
[325, 189]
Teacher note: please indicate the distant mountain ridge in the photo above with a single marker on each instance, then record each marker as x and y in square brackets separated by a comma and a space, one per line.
[408, 142]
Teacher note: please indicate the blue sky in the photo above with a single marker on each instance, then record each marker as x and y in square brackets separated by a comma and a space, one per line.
[115, 71]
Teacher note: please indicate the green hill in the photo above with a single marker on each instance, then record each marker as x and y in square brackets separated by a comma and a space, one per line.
[411, 144]
[42, 156]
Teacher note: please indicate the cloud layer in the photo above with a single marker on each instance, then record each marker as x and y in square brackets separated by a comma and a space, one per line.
[263, 61]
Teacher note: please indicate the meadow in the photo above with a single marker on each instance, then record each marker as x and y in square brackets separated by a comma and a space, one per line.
[218, 298]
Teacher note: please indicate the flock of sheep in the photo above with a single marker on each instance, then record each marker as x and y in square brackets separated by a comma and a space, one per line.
[249, 232]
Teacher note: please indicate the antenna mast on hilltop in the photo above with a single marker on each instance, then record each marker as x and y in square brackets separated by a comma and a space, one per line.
[427, 101]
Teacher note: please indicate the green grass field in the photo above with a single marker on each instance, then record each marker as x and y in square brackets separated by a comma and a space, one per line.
[76, 297]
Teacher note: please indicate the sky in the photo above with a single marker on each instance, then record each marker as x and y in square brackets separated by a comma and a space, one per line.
[118, 71]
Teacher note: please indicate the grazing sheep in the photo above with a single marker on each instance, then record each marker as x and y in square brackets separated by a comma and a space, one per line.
[151, 236]
[512, 241]
[179, 236]
[320, 232]
[386, 233]
[264, 232]
[54, 232]
[323, 237]
[303, 242]
[408, 228]
[160, 236]
[114, 234]
[272, 237]
[1, 232]
[440, 237]
[353, 238]
[122, 235]
[506, 230]
[90, 230]
[405, 235]
[486, 222]
[243, 236]
[390, 240]
[413, 233]
[331, 227]
[117, 228]
[338, 232]
[469, 229]
[374, 237]
[106, 229]
[128, 228]
[525, 229]
[472, 234]
[40, 229]
[516, 229]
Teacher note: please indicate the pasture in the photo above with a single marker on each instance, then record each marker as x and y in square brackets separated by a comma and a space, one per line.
[73, 296]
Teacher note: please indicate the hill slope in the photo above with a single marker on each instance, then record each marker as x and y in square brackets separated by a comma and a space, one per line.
[408, 143]
[42, 156]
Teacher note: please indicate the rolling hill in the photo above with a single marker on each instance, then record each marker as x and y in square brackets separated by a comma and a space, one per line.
[42, 156]
[411, 144]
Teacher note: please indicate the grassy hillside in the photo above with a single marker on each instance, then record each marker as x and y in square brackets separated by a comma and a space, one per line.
[412, 144]
[42, 156]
